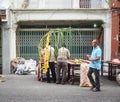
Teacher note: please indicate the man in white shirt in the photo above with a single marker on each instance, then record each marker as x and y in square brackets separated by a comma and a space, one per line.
[51, 64]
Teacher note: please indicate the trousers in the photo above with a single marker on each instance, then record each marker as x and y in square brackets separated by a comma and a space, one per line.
[95, 82]
[52, 68]
[61, 65]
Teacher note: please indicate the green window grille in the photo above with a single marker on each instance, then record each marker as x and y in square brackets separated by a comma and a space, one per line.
[79, 43]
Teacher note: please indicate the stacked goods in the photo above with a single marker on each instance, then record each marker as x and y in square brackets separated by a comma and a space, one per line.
[79, 61]
[72, 61]
[15, 62]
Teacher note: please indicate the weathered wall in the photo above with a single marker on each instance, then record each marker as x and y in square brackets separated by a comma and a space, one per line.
[115, 7]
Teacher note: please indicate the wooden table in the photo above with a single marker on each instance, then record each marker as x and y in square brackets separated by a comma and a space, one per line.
[111, 66]
[71, 71]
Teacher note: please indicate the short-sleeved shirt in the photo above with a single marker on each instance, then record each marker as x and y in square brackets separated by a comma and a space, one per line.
[51, 53]
[63, 53]
[96, 52]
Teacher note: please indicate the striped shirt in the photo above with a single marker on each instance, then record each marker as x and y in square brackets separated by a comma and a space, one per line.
[63, 53]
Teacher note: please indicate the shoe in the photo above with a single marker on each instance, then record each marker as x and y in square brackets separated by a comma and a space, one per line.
[63, 83]
[95, 90]
[54, 81]
[48, 82]
[57, 82]
[92, 88]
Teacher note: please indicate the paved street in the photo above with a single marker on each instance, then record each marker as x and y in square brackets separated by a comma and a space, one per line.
[26, 88]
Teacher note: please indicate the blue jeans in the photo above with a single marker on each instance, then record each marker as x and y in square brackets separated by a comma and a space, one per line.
[95, 82]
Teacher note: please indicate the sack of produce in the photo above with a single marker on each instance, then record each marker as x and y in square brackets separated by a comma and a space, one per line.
[118, 78]
[84, 81]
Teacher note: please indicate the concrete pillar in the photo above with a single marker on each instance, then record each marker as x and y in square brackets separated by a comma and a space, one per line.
[107, 43]
[5, 49]
[8, 46]
[107, 38]
[13, 41]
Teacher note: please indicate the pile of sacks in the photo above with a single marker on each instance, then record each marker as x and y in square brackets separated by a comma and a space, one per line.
[22, 66]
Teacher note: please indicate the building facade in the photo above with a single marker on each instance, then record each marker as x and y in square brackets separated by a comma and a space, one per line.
[29, 20]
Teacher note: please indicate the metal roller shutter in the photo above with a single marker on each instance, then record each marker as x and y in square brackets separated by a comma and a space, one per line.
[79, 44]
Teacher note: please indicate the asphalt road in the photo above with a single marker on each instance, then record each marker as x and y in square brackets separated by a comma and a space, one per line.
[26, 88]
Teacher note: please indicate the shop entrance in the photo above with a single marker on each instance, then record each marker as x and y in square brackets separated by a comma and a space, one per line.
[28, 37]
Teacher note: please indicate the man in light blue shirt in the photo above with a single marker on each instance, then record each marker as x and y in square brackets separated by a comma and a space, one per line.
[95, 66]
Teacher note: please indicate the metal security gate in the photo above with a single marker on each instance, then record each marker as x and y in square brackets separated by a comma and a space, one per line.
[79, 43]
[27, 41]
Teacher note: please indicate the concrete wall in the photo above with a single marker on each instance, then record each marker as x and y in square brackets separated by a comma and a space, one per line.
[55, 4]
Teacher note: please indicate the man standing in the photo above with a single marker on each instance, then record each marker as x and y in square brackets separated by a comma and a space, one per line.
[51, 64]
[63, 56]
[95, 66]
